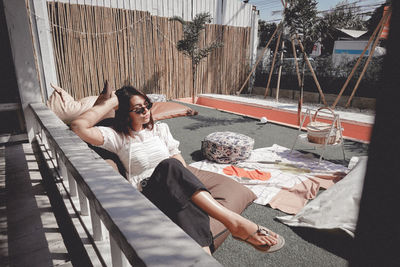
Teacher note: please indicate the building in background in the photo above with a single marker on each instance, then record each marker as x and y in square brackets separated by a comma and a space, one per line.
[349, 45]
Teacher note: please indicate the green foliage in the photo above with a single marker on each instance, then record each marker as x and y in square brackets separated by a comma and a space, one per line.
[189, 45]
[344, 15]
[324, 67]
[330, 77]
[265, 31]
[376, 16]
[373, 72]
[301, 18]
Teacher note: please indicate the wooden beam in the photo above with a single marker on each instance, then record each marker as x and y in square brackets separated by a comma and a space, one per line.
[296, 62]
[258, 60]
[368, 60]
[9, 107]
[278, 83]
[357, 63]
[300, 82]
[273, 63]
[312, 71]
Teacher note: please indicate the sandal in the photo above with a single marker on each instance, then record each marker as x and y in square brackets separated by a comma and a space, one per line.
[264, 248]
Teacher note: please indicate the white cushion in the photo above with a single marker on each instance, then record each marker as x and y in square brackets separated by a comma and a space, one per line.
[337, 207]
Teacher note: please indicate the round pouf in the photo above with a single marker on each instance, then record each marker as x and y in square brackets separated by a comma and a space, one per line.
[227, 147]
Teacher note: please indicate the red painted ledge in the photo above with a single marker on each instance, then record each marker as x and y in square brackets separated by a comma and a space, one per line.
[354, 130]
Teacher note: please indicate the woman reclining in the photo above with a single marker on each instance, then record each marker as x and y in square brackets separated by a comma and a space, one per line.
[155, 166]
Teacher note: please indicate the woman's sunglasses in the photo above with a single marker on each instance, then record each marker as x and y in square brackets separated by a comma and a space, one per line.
[141, 110]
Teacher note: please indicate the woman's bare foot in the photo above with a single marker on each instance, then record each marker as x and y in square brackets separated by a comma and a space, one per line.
[207, 250]
[250, 232]
[241, 228]
[55, 87]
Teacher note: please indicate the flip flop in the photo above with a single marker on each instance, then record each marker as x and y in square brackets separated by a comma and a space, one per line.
[264, 248]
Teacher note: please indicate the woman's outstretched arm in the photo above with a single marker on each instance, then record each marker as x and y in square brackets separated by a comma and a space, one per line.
[180, 158]
[83, 125]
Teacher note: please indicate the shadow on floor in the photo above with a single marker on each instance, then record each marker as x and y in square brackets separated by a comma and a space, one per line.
[335, 241]
[197, 155]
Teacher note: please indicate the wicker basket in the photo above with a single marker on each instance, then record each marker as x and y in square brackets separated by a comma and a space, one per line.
[318, 132]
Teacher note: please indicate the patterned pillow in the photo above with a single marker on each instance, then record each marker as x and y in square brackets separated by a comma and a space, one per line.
[167, 110]
[227, 147]
[157, 98]
[66, 107]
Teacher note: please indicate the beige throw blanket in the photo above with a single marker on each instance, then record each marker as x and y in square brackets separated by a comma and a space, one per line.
[295, 177]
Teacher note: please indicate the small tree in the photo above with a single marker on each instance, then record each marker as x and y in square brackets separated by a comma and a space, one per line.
[301, 18]
[189, 45]
[265, 31]
[344, 15]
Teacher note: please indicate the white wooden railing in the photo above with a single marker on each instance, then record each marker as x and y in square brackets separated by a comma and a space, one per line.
[125, 228]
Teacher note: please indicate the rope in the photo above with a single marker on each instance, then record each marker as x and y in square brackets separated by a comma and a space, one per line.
[89, 33]
[219, 37]
[76, 30]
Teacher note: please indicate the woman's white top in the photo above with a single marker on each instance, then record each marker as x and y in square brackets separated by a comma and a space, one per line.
[141, 153]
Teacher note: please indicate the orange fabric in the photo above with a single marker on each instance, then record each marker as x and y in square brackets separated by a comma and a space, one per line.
[254, 175]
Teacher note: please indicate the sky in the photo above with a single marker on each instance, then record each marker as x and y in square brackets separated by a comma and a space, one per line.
[271, 10]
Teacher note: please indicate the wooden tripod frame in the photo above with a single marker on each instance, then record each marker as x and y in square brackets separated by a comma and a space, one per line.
[312, 71]
[273, 63]
[376, 34]
[259, 59]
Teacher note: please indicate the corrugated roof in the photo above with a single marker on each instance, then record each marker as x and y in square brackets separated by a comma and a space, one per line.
[353, 33]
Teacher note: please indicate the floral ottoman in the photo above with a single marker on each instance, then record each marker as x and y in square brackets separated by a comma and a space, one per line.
[157, 98]
[227, 147]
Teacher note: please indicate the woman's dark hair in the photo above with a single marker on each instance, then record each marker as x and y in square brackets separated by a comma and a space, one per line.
[122, 120]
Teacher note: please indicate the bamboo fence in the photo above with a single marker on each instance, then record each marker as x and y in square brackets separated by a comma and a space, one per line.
[93, 44]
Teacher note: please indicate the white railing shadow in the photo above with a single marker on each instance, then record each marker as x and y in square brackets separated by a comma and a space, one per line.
[124, 227]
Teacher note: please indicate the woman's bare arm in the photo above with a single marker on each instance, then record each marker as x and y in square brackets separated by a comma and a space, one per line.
[180, 158]
[83, 125]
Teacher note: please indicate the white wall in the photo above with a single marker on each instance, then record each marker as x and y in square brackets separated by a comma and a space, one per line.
[23, 54]
[347, 50]
[226, 12]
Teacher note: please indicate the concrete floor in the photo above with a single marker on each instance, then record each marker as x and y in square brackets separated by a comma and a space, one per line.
[29, 233]
[304, 246]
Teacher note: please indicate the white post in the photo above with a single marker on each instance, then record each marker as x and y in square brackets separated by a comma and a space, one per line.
[117, 257]
[253, 45]
[23, 57]
[34, 124]
[47, 67]
[96, 224]
[72, 185]
[83, 203]
[71, 181]
[54, 156]
[44, 139]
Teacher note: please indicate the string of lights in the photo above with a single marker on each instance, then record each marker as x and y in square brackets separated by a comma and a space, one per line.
[130, 26]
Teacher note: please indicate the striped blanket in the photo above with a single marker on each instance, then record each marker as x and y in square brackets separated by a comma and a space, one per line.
[295, 177]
